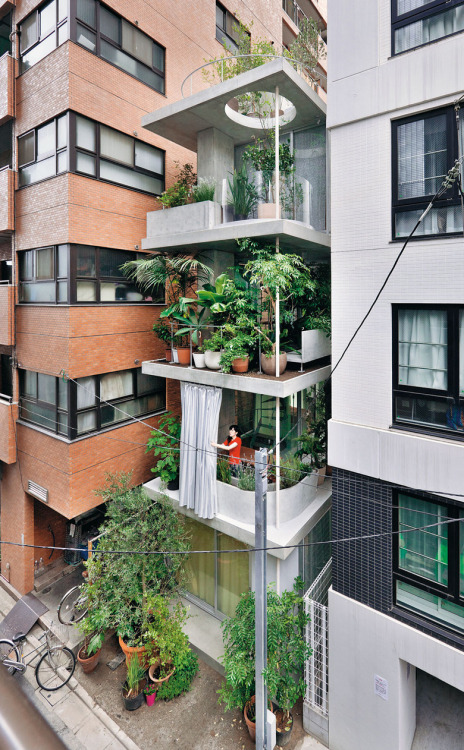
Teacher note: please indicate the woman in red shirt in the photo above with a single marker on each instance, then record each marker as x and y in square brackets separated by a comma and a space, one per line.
[233, 444]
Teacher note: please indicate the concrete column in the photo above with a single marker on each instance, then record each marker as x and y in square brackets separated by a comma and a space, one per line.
[17, 525]
[215, 157]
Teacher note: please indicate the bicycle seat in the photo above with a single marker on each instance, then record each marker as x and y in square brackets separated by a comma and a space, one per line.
[19, 637]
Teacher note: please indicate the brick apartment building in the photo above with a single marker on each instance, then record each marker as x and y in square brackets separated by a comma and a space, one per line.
[78, 175]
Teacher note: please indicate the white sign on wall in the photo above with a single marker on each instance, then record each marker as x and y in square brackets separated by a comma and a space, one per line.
[381, 687]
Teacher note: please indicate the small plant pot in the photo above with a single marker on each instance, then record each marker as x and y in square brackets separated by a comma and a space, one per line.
[133, 702]
[168, 355]
[320, 473]
[175, 358]
[240, 365]
[89, 663]
[251, 725]
[240, 217]
[283, 733]
[150, 699]
[266, 210]
[212, 360]
[132, 652]
[199, 360]
[183, 352]
[158, 681]
[173, 484]
[268, 364]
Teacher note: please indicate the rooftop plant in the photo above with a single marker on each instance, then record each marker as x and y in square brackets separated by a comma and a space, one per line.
[180, 192]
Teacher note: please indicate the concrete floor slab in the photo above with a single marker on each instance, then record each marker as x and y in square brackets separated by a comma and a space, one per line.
[94, 735]
[73, 712]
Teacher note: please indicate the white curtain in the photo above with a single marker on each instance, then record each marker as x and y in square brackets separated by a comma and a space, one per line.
[116, 385]
[423, 348]
[200, 419]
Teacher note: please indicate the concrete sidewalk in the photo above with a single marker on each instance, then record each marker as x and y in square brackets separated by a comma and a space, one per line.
[76, 717]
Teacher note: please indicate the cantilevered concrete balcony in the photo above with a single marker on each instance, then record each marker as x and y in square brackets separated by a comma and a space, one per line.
[212, 123]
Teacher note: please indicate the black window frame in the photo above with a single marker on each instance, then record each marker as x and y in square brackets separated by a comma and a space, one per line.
[96, 154]
[420, 203]
[434, 7]
[99, 37]
[73, 277]
[449, 592]
[451, 395]
[56, 152]
[222, 35]
[72, 412]
[59, 23]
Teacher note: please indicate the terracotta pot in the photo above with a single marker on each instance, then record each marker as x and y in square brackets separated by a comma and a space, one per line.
[90, 662]
[130, 652]
[183, 352]
[212, 360]
[251, 726]
[154, 680]
[240, 365]
[320, 475]
[168, 355]
[266, 210]
[268, 364]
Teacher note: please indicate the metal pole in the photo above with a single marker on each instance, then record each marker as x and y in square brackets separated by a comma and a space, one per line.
[260, 596]
[277, 459]
[277, 200]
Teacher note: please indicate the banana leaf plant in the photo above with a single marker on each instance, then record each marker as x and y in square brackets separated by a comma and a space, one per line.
[215, 297]
[193, 324]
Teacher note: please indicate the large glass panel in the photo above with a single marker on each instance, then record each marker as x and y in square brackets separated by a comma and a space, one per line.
[116, 385]
[62, 162]
[158, 57]
[136, 43]
[46, 142]
[86, 163]
[434, 607]
[461, 352]
[62, 9]
[201, 568]
[63, 394]
[148, 383]
[110, 25]
[129, 178]
[62, 261]
[132, 66]
[86, 11]
[43, 291]
[149, 158]
[422, 156]
[423, 551]
[46, 388]
[45, 263]
[26, 149]
[47, 18]
[429, 29]
[62, 129]
[406, 6]
[86, 38]
[117, 291]
[29, 31]
[86, 291]
[25, 264]
[85, 260]
[86, 390]
[43, 415]
[39, 171]
[443, 220]
[111, 261]
[30, 384]
[62, 423]
[233, 574]
[62, 291]
[429, 412]
[86, 422]
[308, 194]
[145, 404]
[423, 348]
[38, 52]
[85, 134]
[116, 145]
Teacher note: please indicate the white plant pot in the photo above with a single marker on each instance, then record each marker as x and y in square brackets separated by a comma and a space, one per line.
[212, 360]
[175, 357]
[199, 360]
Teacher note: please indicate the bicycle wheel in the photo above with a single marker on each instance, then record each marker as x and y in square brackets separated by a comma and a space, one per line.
[55, 668]
[73, 607]
[9, 651]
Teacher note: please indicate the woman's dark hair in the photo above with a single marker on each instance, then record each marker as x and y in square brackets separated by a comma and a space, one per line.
[236, 428]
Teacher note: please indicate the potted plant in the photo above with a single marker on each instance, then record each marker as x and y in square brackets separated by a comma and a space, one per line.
[243, 195]
[88, 655]
[150, 694]
[212, 349]
[165, 638]
[238, 347]
[204, 190]
[163, 331]
[132, 689]
[185, 668]
[180, 192]
[165, 445]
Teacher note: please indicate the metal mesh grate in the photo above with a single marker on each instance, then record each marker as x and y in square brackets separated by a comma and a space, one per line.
[317, 632]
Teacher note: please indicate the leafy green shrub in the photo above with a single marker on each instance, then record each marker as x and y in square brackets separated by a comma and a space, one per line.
[166, 447]
[181, 680]
[179, 194]
[292, 471]
[223, 470]
[246, 479]
[243, 195]
[204, 190]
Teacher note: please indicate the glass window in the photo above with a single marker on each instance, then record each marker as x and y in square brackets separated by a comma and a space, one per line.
[86, 134]
[110, 25]
[26, 147]
[414, 26]
[86, 392]
[25, 264]
[62, 394]
[116, 385]
[44, 263]
[129, 178]
[86, 163]
[149, 158]
[46, 144]
[116, 146]
[423, 551]
[62, 9]
[86, 12]
[29, 30]
[137, 44]
[30, 384]
[85, 261]
[112, 260]
[42, 31]
[86, 38]
[46, 388]
[47, 18]
[423, 348]
[62, 131]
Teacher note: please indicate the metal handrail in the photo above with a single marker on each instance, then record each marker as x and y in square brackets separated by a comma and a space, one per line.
[238, 57]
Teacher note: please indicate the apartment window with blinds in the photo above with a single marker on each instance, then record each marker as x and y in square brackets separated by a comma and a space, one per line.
[428, 368]
[73, 409]
[419, 22]
[429, 560]
[42, 31]
[424, 148]
[109, 36]
[227, 28]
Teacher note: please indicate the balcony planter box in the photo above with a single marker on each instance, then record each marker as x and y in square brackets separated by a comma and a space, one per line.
[238, 505]
[193, 217]
[314, 345]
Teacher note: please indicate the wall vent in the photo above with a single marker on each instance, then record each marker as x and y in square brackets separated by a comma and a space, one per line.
[37, 491]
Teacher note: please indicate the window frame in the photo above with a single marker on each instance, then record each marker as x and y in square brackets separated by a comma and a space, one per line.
[99, 36]
[434, 7]
[451, 394]
[221, 33]
[419, 203]
[54, 153]
[59, 23]
[449, 592]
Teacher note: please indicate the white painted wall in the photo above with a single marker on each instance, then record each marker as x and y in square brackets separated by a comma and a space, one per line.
[364, 643]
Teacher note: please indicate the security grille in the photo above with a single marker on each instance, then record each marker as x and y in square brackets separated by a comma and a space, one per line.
[317, 633]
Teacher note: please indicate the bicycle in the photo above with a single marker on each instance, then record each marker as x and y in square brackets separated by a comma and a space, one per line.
[53, 670]
[73, 606]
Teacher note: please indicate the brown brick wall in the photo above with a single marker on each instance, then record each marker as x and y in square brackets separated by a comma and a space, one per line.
[42, 338]
[6, 88]
[6, 314]
[7, 200]
[17, 519]
[45, 517]
[8, 413]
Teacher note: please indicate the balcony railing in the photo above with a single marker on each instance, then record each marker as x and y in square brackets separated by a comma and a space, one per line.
[6, 87]
[6, 314]
[6, 201]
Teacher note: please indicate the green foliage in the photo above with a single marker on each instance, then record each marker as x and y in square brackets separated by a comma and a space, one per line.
[180, 192]
[307, 48]
[292, 471]
[166, 448]
[261, 156]
[135, 675]
[241, 345]
[313, 442]
[243, 195]
[204, 190]
[246, 480]
[223, 472]
[151, 689]
[163, 331]
[181, 681]
[118, 585]
[286, 647]
[163, 633]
